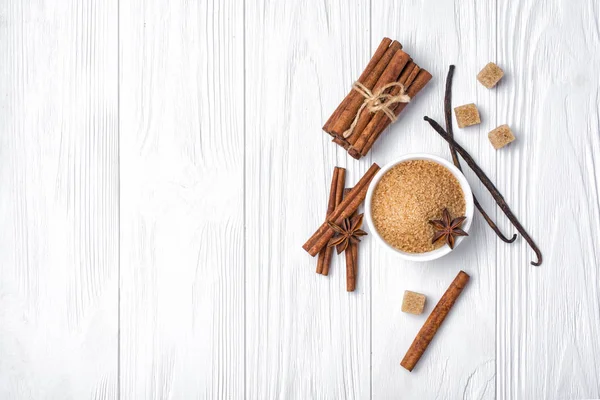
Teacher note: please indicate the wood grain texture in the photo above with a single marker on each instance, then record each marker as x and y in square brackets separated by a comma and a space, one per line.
[459, 363]
[182, 141]
[306, 337]
[182, 202]
[548, 320]
[58, 200]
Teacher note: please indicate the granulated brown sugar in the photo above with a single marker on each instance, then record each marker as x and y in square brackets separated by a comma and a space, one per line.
[407, 197]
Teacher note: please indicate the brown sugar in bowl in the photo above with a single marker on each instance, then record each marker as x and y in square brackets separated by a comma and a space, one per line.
[397, 216]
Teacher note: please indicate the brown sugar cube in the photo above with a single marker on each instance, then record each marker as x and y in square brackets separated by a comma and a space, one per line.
[413, 302]
[467, 115]
[501, 136]
[490, 75]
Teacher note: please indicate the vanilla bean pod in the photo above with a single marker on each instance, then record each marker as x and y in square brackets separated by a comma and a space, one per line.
[490, 187]
[448, 116]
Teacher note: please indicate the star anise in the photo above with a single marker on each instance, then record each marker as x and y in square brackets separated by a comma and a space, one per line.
[447, 228]
[349, 232]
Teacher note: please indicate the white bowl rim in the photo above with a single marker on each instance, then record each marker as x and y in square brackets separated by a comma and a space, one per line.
[469, 209]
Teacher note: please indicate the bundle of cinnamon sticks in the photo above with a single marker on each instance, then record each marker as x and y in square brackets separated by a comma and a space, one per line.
[343, 205]
[382, 91]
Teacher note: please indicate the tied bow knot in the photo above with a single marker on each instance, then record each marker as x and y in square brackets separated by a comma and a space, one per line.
[378, 101]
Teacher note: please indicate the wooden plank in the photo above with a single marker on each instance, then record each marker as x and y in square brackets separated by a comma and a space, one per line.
[548, 321]
[182, 199]
[306, 336]
[460, 361]
[58, 200]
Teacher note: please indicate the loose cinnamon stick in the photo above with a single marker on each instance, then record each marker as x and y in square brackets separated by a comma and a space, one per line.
[344, 210]
[389, 75]
[336, 191]
[434, 321]
[344, 115]
[375, 128]
[351, 254]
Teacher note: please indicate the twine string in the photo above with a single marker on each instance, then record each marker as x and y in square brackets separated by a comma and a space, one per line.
[378, 101]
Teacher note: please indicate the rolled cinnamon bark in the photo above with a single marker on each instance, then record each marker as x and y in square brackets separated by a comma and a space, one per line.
[336, 192]
[389, 75]
[412, 75]
[377, 125]
[344, 210]
[381, 49]
[343, 116]
[408, 74]
[341, 141]
[434, 321]
[387, 63]
[351, 255]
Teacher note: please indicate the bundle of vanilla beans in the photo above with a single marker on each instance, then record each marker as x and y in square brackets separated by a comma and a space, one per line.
[382, 91]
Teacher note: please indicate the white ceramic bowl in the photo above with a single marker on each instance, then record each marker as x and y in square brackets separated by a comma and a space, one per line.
[442, 251]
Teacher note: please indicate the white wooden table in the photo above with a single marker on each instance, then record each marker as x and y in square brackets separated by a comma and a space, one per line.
[162, 162]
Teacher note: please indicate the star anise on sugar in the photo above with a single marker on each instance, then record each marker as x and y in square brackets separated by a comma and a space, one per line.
[447, 228]
[348, 232]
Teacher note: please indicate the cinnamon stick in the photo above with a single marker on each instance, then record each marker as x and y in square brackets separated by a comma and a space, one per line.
[434, 321]
[407, 76]
[410, 69]
[351, 254]
[389, 75]
[377, 126]
[341, 141]
[343, 116]
[344, 210]
[336, 191]
[381, 49]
